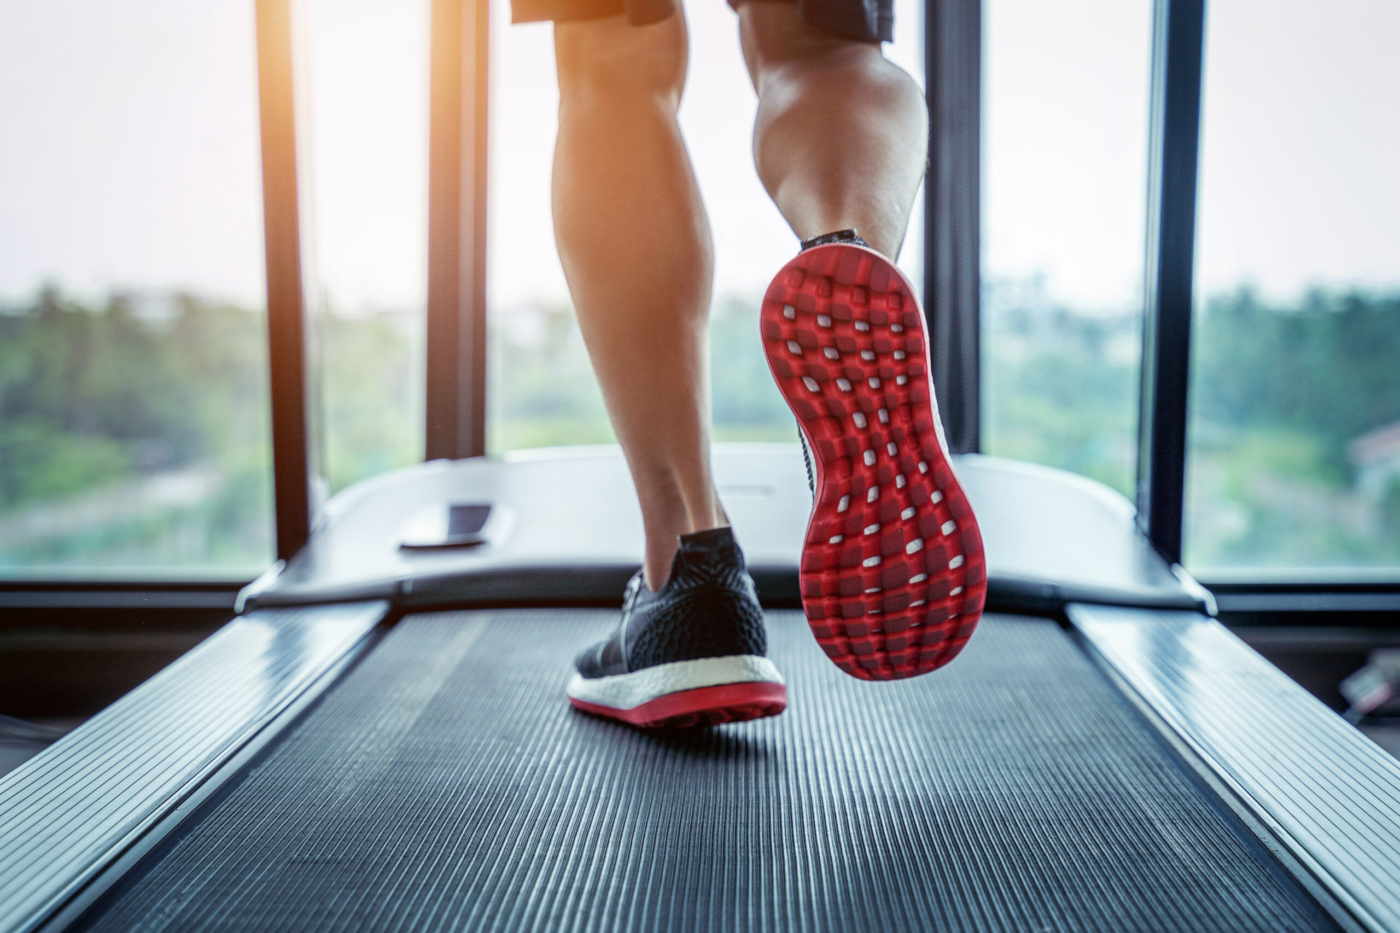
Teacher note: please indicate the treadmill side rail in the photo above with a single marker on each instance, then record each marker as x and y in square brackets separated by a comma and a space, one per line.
[1329, 794]
[72, 810]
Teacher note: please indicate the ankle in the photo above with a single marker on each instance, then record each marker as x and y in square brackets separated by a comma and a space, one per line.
[659, 560]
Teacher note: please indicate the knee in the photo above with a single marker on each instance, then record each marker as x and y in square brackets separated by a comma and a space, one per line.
[611, 62]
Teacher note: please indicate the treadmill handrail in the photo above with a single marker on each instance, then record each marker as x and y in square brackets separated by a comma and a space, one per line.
[71, 810]
[1329, 794]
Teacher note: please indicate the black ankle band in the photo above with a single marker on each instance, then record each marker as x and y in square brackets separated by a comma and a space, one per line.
[710, 538]
[840, 236]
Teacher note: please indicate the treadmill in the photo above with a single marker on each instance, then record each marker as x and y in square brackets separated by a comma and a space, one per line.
[380, 741]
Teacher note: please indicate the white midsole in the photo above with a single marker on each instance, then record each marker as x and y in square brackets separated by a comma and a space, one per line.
[625, 691]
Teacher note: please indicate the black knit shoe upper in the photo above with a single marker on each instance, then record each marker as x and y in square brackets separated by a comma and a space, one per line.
[840, 236]
[707, 609]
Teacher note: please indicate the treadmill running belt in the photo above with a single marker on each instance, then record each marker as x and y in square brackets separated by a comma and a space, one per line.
[445, 784]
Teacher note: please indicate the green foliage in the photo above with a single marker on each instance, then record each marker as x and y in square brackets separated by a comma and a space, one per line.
[1328, 367]
[230, 531]
[1390, 509]
[371, 395]
[97, 403]
[88, 396]
[38, 462]
[746, 403]
[1061, 388]
[1278, 392]
[543, 391]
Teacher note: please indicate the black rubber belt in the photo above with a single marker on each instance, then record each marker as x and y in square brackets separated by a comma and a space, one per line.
[445, 784]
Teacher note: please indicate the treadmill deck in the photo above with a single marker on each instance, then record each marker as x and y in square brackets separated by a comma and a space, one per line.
[444, 783]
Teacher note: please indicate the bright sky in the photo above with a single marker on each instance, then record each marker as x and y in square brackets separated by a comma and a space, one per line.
[1300, 180]
[128, 146]
[129, 155]
[1064, 145]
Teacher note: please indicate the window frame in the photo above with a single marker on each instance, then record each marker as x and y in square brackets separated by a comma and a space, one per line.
[456, 273]
[1178, 54]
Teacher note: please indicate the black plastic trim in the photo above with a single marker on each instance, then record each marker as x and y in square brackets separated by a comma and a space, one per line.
[601, 585]
[952, 222]
[1366, 605]
[64, 594]
[1177, 56]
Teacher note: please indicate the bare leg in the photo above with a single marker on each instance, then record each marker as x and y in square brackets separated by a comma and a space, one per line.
[635, 244]
[841, 135]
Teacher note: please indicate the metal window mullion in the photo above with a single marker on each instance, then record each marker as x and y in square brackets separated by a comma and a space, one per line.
[1174, 140]
[456, 326]
[952, 222]
[286, 328]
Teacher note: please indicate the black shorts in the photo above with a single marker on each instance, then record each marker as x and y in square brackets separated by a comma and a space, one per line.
[862, 20]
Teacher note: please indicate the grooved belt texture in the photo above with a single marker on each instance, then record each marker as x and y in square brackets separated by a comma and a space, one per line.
[445, 784]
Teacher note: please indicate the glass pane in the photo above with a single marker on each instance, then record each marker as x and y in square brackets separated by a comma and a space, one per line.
[1064, 170]
[1295, 406]
[363, 67]
[542, 390]
[134, 434]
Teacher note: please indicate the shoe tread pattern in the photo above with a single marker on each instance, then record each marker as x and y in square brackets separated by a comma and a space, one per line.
[893, 575]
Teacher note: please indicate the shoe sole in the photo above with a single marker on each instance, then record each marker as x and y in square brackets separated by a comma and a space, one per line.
[893, 575]
[685, 694]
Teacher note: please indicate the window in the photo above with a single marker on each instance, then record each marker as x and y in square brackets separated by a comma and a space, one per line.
[542, 390]
[1294, 457]
[133, 376]
[363, 162]
[1064, 110]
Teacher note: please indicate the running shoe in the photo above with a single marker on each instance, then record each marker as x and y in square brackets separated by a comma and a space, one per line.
[893, 576]
[692, 653]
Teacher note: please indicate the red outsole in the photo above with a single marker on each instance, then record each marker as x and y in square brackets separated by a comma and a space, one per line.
[862, 564]
[703, 706]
